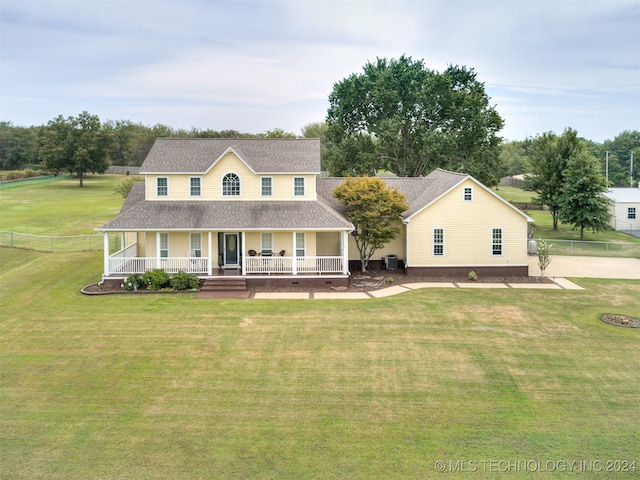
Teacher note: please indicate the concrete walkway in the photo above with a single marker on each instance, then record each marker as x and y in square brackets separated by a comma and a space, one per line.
[559, 268]
[588, 267]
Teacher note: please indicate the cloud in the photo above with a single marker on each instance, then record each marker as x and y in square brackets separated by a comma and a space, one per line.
[206, 64]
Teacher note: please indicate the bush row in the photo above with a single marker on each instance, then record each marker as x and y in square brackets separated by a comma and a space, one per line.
[20, 174]
[158, 279]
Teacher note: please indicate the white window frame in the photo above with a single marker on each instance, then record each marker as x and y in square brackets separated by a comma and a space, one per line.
[631, 213]
[225, 190]
[195, 248]
[436, 243]
[165, 187]
[301, 250]
[164, 245]
[467, 194]
[192, 187]
[297, 187]
[494, 244]
[263, 186]
[266, 241]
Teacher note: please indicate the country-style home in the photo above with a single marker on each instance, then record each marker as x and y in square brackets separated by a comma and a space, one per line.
[260, 208]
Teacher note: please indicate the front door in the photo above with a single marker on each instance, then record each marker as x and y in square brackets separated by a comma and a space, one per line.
[231, 249]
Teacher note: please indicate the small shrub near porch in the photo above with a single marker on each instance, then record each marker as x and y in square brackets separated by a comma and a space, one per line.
[158, 279]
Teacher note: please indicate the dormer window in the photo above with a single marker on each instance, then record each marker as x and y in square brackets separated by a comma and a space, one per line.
[231, 185]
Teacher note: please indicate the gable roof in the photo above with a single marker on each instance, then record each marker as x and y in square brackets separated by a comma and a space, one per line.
[623, 195]
[198, 155]
[419, 191]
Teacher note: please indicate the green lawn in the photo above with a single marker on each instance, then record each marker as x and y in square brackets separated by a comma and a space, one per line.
[60, 207]
[167, 386]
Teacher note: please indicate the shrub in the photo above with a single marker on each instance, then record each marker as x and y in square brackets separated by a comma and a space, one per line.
[473, 276]
[124, 187]
[155, 279]
[184, 281]
[132, 283]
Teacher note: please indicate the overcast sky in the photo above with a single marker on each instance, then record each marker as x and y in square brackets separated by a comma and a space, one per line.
[257, 65]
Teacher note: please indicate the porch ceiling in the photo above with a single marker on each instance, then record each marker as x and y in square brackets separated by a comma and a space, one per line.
[239, 215]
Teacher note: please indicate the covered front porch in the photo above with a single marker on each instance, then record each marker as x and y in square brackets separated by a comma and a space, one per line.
[209, 254]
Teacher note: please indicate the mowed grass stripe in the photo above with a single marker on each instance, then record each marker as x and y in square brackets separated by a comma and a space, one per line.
[163, 386]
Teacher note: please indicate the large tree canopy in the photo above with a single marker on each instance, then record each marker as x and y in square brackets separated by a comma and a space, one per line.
[549, 155]
[582, 201]
[78, 145]
[418, 119]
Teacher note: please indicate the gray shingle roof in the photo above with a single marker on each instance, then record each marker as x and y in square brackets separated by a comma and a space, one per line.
[420, 191]
[197, 155]
[227, 215]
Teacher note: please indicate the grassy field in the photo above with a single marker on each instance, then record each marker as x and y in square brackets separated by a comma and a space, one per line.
[60, 207]
[167, 386]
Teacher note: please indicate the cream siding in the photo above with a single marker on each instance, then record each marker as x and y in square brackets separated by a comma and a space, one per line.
[394, 247]
[468, 231]
[211, 184]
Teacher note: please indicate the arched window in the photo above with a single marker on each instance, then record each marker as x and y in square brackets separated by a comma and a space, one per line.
[231, 185]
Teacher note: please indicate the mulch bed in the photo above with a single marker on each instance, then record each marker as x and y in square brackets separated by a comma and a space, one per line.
[621, 320]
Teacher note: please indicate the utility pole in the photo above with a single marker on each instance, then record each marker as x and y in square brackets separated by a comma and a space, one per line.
[606, 168]
[631, 172]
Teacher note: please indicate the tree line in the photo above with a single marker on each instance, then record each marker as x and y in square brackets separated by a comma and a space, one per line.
[396, 116]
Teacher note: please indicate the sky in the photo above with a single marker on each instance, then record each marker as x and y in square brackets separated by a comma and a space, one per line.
[258, 65]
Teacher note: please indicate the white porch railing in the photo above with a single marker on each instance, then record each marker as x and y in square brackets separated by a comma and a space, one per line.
[293, 265]
[119, 263]
[131, 265]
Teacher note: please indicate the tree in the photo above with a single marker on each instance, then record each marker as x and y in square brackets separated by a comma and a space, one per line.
[420, 119]
[78, 145]
[549, 155]
[374, 209]
[544, 255]
[620, 150]
[124, 188]
[582, 203]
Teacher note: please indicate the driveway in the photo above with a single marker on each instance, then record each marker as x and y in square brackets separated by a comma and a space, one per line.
[588, 267]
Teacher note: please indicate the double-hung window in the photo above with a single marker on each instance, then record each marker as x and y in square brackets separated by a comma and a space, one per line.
[631, 213]
[195, 186]
[162, 187]
[298, 186]
[266, 184]
[266, 242]
[195, 245]
[164, 245]
[300, 247]
[496, 241]
[438, 242]
[468, 194]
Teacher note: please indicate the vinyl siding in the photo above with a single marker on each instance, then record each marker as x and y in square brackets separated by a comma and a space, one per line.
[468, 231]
[211, 184]
[394, 247]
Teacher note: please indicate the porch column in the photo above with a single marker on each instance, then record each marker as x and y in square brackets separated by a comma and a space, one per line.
[294, 259]
[209, 254]
[243, 244]
[106, 254]
[345, 253]
[158, 262]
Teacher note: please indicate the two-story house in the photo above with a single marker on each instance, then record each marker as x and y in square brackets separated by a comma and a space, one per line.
[261, 209]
